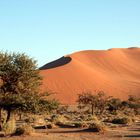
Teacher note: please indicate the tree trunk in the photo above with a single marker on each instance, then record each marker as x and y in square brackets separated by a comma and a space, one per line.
[92, 109]
[0, 119]
[8, 115]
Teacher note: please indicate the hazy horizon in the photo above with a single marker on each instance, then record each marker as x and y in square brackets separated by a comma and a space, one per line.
[49, 29]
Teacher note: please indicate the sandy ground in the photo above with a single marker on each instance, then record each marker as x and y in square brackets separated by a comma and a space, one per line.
[123, 133]
[115, 71]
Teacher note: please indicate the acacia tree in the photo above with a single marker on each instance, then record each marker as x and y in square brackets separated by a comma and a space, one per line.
[19, 85]
[95, 101]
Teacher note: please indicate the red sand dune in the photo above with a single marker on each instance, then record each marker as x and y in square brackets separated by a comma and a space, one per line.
[114, 71]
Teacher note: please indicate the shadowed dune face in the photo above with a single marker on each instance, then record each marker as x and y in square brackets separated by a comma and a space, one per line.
[114, 71]
[57, 63]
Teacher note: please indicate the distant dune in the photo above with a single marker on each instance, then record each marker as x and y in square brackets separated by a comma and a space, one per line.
[114, 71]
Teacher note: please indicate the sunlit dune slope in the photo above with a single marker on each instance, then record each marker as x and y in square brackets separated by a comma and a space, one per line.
[114, 71]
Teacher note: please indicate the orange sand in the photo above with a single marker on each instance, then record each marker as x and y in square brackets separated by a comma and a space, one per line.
[114, 71]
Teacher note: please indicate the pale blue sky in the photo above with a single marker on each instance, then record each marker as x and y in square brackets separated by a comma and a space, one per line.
[49, 29]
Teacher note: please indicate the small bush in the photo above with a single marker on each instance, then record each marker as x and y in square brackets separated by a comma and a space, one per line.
[97, 127]
[124, 120]
[24, 130]
[80, 124]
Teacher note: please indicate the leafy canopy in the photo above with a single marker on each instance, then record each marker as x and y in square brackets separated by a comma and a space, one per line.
[19, 84]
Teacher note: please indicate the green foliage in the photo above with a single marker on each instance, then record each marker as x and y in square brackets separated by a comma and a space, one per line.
[20, 81]
[96, 102]
[48, 105]
[19, 85]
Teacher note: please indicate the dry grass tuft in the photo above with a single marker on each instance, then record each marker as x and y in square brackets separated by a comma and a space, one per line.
[9, 127]
[24, 130]
[97, 126]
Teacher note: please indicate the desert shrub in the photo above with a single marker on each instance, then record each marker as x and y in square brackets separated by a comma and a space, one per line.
[24, 130]
[78, 124]
[81, 124]
[9, 127]
[97, 127]
[123, 120]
